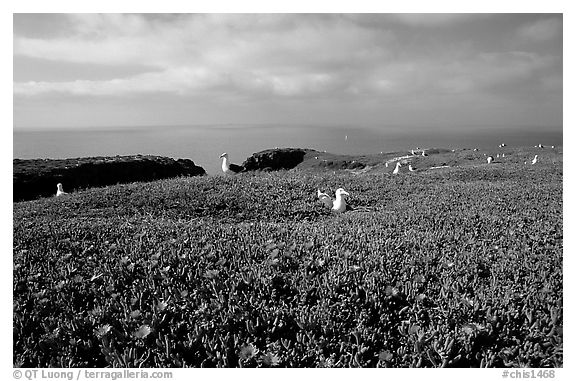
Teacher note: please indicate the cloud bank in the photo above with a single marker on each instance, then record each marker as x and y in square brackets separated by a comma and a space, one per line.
[227, 57]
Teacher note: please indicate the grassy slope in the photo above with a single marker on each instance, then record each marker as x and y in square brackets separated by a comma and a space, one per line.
[458, 266]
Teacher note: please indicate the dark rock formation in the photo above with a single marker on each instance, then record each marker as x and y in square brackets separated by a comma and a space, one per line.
[38, 177]
[276, 159]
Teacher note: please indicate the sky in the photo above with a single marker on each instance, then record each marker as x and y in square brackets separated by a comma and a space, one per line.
[450, 70]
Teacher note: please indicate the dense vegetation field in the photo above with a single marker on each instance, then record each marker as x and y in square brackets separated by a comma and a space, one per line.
[457, 267]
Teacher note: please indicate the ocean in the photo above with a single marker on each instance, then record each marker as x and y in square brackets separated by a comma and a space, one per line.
[204, 144]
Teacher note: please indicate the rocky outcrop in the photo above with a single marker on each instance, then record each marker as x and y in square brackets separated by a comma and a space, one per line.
[276, 159]
[38, 177]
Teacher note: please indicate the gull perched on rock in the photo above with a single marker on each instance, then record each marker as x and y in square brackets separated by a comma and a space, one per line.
[229, 168]
[60, 190]
[535, 160]
[337, 205]
[490, 159]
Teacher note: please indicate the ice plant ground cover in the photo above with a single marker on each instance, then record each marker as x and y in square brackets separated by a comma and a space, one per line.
[457, 267]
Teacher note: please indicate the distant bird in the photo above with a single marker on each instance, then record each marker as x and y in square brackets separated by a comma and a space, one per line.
[502, 145]
[229, 168]
[552, 147]
[503, 155]
[535, 159]
[397, 169]
[475, 149]
[490, 159]
[386, 164]
[411, 169]
[339, 204]
[412, 152]
[497, 155]
[424, 153]
[346, 137]
[540, 146]
[60, 191]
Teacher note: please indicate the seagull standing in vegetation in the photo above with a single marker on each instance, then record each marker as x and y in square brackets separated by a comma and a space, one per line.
[535, 160]
[490, 159]
[229, 168]
[424, 153]
[411, 169]
[397, 169]
[338, 205]
[327, 200]
[60, 190]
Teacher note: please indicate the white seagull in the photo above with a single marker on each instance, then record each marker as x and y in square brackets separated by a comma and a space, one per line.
[229, 168]
[490, 159]
[386, 164]
[338, 205]
[397, 169]
[411, 169]
[60, 191]
[424, 153]
[535, 160]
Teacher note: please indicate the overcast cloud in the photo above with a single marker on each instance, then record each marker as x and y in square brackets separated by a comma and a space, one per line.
[116, 69]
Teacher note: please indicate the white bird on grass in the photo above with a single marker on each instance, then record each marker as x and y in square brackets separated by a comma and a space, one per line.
[386, 164]
[339, 204]
[490, 159]
[229, 168]
[424, 153]
[411, 169]
[535, 160]
[60, 191]
[397, 169]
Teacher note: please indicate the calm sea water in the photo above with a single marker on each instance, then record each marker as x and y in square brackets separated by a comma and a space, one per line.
[204, 144]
